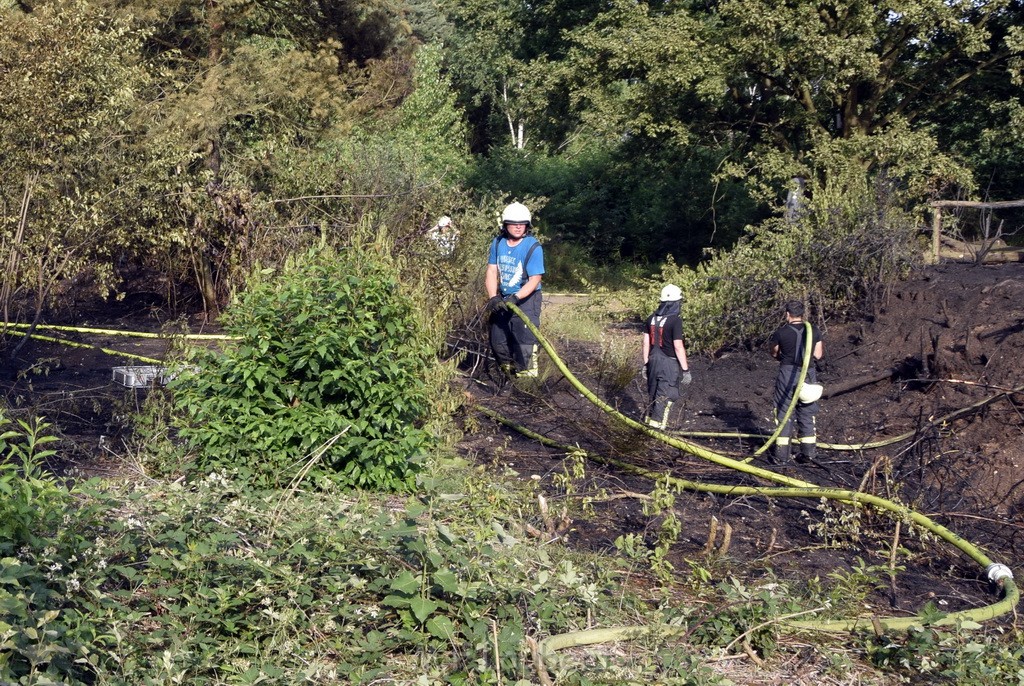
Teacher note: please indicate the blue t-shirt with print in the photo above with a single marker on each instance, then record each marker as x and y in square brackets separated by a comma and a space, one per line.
[512, 273]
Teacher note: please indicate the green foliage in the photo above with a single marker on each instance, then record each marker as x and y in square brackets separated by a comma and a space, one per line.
[850, 244]
[429, 124]
[776, 80]
[612, 358]
[331, 370]
[661, 505]
[71, 80]
[30, 499]
[744, 613]
[853, 586]
[838, 526]
[211, 582]
[965, 655]
[500, 59]
[610, 201]
[751, 94]
[618, 363]
[572, 266]
[44, 633]
[227, 124]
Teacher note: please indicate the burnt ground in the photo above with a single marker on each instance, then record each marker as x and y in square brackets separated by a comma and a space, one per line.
[944, 341]
[70, 385]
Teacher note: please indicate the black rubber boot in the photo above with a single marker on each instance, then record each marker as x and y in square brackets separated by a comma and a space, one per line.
[807, 452]
[783, 453]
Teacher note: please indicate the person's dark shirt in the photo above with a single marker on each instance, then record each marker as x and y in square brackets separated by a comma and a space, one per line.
[790, 338]
[665, 333]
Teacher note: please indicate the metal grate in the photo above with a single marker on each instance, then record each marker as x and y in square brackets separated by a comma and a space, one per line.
[140, 377]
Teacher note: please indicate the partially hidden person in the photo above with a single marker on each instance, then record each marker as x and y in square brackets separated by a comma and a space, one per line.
[787, 345]
[515, 267]
[664, 355]
[444, 235]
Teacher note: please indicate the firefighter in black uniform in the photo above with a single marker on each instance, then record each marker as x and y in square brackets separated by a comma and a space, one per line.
[787, 346]
[665, 357]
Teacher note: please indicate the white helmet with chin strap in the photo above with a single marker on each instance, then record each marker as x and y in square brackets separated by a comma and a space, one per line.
[516, 213]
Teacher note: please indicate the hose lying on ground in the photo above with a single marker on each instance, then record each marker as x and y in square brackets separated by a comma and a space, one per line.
[1000, 575]
[939, 421]
[109, 332]
[74, 344]
[130, 334]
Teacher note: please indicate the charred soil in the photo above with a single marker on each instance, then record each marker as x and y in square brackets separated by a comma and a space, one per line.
[924, 364]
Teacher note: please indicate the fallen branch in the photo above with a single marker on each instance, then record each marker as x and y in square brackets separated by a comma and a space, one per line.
[860, 382]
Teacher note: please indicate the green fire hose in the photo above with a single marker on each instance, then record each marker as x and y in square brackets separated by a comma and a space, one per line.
[998, 574]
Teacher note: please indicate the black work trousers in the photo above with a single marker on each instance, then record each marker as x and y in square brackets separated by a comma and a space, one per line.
[662, 385]
[511, 341]
[803, 415]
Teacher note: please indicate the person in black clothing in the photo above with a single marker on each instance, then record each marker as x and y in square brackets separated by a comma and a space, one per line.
[787, 346]
[665, 357]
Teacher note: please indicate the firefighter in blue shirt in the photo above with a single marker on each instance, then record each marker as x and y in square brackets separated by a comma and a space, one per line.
[515, 266]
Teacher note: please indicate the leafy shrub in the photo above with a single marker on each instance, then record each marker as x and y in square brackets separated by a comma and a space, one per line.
[331, 368]
[841, 249]
[43, 633]
[966, 654]
[29, 498]
[207, 582]
[840, 256]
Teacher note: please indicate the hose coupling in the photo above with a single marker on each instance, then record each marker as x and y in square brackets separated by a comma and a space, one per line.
[997, 572]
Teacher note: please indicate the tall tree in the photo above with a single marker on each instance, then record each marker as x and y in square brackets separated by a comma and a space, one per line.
[503, 58]
[237, 83]
[777, 81]
[70, 80]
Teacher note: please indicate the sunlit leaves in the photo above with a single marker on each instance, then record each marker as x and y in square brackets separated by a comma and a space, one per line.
[70, 86]
[332, 370]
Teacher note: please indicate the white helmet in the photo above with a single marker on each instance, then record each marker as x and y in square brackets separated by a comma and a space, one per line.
[516, 213]
[671, 293]
[443, 222]
[810, 392]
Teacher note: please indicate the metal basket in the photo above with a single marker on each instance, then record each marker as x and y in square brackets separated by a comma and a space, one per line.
[140, 377]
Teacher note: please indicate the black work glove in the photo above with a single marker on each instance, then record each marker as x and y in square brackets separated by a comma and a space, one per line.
[495, 303]
[513, 299]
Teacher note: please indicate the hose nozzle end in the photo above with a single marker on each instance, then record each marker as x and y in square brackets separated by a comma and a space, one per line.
[997, 572]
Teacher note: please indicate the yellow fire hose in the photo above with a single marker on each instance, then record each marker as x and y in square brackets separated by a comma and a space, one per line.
[74, 344]
[130, 334]
[805, 363]
[939, 421]
[998, 574]
[110, 332]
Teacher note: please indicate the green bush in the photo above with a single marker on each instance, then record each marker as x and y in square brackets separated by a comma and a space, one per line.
[29, 498]
[205, 583]
[840, 256]
[331, 369]
[45, 634]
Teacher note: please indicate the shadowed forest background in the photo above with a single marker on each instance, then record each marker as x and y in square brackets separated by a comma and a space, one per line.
[200, 140]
